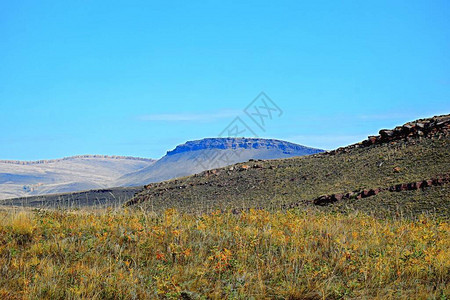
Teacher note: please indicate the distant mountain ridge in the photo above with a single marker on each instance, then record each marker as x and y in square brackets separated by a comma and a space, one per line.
[43, 161]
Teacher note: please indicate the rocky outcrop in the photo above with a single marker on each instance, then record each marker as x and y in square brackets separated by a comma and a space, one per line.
[436, 127]
[421, 184]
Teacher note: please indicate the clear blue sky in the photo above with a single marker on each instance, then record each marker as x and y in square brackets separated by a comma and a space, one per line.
[139, 77]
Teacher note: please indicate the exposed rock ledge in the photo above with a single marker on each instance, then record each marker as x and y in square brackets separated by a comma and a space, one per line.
[435, 127]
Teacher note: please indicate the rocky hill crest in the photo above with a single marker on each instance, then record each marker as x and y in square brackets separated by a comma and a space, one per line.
[436, 127]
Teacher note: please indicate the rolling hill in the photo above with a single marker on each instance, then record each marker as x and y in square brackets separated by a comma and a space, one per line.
[415, 152]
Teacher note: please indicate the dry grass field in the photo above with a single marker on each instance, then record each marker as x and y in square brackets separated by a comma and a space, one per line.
[308, 254]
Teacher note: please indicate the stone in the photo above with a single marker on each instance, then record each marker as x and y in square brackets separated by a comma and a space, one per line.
[372, 140]
[420, 125]
[398, 129]
[365, 193]
[386, 133]
[245, 167]
[337, 197]
[322, 200]
[408, 127]
[372, 192]
[438, 181]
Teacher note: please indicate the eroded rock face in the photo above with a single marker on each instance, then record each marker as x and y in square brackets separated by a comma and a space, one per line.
[435, 127]
[328, 199]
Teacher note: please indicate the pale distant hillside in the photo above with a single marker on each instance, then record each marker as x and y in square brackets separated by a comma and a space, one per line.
[77, 173]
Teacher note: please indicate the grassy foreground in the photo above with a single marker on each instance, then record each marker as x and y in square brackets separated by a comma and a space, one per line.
[259, 254]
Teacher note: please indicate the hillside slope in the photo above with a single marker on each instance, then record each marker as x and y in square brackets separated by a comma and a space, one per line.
[415, 151]
[77, 173]
[197, 156]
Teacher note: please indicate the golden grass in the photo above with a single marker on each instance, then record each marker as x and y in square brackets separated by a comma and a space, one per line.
[283, 255]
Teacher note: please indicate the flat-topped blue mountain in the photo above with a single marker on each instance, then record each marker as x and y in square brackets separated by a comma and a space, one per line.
[243, 143]
[197, 156]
